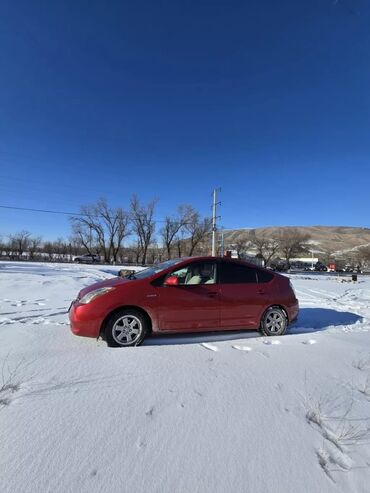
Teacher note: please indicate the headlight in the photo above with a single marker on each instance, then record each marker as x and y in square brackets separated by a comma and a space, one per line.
[94, 294]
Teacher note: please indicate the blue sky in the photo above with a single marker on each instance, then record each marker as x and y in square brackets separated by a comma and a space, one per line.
[169, 99]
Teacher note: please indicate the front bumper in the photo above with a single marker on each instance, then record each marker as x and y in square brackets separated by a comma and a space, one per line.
[82, 322]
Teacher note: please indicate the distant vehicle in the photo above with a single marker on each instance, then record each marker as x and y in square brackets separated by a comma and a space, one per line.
[87, 259]
[196, 294]
[280, 265]
[320, 267]
[297, 266]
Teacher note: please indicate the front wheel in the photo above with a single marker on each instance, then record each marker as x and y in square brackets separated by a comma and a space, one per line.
[274, 322]
[126, 328]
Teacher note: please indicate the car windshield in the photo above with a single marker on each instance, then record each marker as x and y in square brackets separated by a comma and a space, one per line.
[155, 269]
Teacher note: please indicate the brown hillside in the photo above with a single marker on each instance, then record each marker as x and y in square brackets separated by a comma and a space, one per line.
[335, 239]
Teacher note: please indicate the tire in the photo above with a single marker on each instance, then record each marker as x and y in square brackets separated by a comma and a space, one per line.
[126, 328]
[274, 322]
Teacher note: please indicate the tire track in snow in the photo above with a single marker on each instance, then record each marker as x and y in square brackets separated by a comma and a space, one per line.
[242, 348]
[271, 343]
[309, 341]
[210, 347]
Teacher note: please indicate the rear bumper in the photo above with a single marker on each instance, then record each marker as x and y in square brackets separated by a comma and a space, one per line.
[293, 312]
[81, 321]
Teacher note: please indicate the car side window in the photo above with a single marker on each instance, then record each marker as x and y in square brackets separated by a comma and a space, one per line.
[237, 274]
[264, 276]
[196, 273]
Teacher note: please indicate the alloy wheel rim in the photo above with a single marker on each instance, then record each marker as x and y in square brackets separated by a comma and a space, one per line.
[274, 321]
[127, 330]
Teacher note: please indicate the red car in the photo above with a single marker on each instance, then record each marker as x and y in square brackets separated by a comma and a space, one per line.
[185, 295]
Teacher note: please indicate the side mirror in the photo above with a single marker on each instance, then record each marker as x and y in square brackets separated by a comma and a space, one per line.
[171, 281]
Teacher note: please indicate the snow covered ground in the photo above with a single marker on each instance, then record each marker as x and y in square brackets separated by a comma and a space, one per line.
[231, 412]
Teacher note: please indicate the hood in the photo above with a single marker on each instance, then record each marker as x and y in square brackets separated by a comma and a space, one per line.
[115, 281]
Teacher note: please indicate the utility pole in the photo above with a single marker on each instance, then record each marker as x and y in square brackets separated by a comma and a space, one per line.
[214, 219]
[222, 244]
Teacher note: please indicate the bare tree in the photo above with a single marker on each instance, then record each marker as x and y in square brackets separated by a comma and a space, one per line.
[75, 246]
[8, 248]
[115, 222]
[132, 252]
[241, 245]
[20, 242]
[168, 233]
[49, 249]
[197, 228]
[34, 244]
[365, 253]
[173, 226]
[137, 249]
[103, 227]
[327, 255]
[266, 245]
[61, 249]
[362, 257]
[179, 243]
[291, 243]
[142, 217]
[154, 253]
[83, 237]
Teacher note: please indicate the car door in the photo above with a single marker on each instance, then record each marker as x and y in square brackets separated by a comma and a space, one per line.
[242, 299]
[193, 304]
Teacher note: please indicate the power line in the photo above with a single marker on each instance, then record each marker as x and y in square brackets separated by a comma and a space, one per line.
[41, 210]
[47, 211]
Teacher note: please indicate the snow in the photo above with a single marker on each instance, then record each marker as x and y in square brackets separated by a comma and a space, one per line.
[189, 413]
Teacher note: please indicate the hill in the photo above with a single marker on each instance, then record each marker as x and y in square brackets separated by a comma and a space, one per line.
[335, 239]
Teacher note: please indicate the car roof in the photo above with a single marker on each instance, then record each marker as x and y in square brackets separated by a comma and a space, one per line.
[182, 262]
[222, 259]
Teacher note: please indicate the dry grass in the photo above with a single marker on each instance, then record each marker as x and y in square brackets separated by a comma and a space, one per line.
[10, 382]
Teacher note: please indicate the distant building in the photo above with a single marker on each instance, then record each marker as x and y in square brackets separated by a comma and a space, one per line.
[305, 260]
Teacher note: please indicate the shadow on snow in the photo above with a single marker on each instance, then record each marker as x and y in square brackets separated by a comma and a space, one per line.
[310, 320]
[318, 319]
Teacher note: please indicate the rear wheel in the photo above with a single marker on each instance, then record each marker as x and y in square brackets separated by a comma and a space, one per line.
[274, 322]
[126, 328]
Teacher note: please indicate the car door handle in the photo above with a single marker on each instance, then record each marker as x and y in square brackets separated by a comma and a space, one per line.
[261, 291]
[212, 294]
